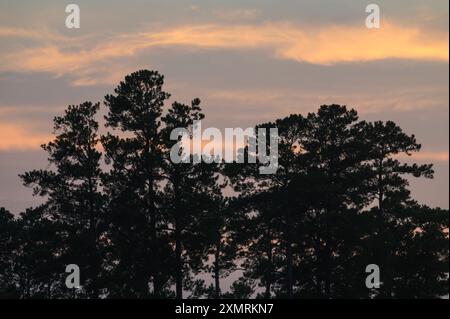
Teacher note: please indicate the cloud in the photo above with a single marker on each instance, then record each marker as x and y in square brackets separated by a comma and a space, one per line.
[237, 14]
[426, 156]
[15, 33]
[91, 62]
[338, 44]
[17, 137]
[365, 102]
[6, 32]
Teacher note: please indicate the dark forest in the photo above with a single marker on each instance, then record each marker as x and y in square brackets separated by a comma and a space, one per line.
[140, 226]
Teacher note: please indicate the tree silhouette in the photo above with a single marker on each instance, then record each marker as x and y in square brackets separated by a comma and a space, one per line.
[140, 225]
[8, 234]
[188, 195]
[132, 184]
[74, 202]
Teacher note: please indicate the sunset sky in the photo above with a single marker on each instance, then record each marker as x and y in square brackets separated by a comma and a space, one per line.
[248, 61]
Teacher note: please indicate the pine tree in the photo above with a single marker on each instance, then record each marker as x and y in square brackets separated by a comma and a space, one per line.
[189, 193]
[393, 227]
[147, 226]
[274, 208]
[336, 158]
[218, 237]
[135, 154]
[8, 236]
[71, 189]
[40, 255]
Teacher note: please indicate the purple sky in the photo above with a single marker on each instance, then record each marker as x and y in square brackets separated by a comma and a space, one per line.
[248, 61]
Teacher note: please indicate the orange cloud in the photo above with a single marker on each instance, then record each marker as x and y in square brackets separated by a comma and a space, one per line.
[321, 45]
[6, 32]
[16, 137]
[326, 45]
[349, 44]
[42, 34]
[437, 156]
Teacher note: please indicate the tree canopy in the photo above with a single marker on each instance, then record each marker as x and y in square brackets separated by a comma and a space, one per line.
[141, 226]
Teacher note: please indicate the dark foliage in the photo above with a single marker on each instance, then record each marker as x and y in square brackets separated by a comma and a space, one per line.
[140, 226]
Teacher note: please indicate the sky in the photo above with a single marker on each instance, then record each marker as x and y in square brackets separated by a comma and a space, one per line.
[248, 61]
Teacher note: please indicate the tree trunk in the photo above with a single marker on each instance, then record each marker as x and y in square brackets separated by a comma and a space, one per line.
[268, 284]
[157, 285]
[289, 258]
[289, 274]
[217, 270]
[178, 262]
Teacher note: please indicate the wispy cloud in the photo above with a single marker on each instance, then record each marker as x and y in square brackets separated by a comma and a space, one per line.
[427, 156]
[326, 45]
[237, 14]
[19, 137]
[290, 100]
[23, 33]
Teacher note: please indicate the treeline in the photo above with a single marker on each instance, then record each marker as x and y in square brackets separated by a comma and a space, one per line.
[140, 226]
